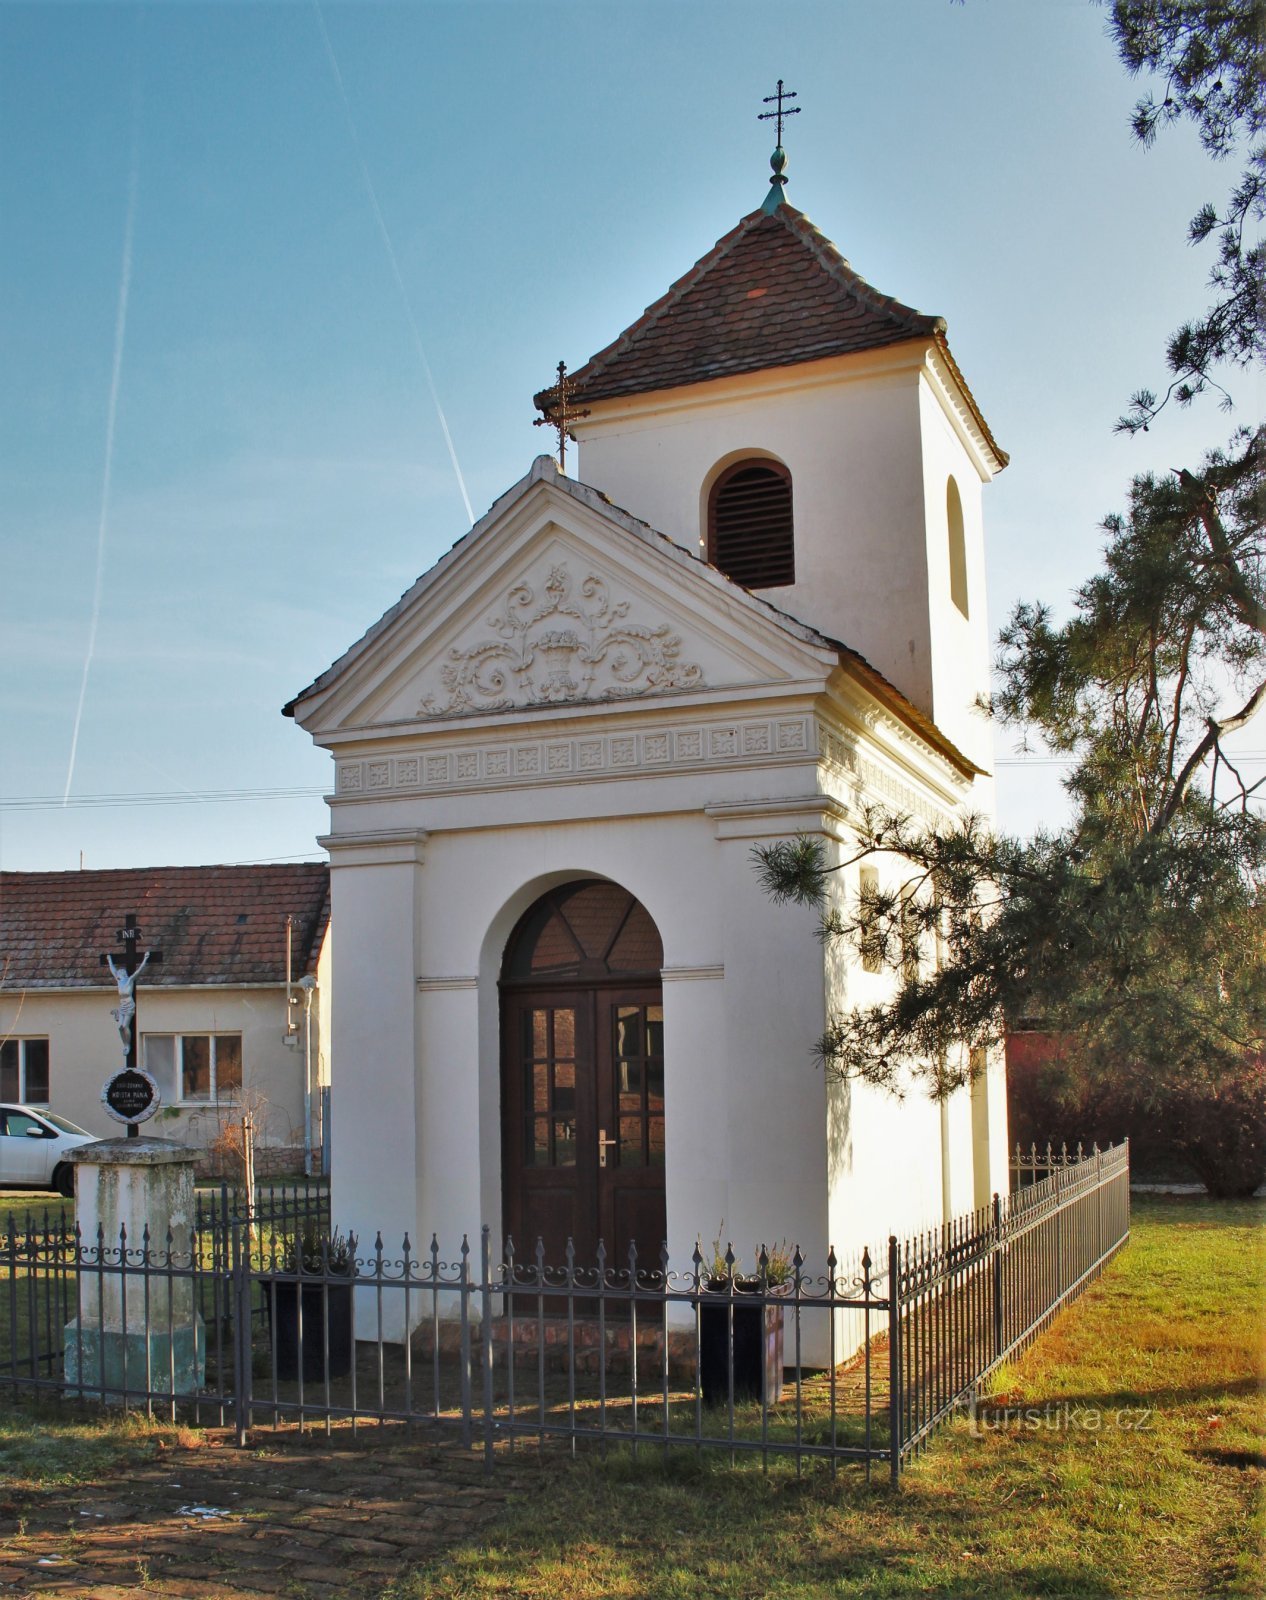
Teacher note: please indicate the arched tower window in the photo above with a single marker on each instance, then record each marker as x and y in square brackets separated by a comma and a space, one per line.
[957, 547]
[749, 525]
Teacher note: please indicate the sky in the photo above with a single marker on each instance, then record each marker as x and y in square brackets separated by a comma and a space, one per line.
[278, 282]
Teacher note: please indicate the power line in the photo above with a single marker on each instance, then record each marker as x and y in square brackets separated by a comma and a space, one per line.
[264, 861]
[178, 797]
[1235, 756]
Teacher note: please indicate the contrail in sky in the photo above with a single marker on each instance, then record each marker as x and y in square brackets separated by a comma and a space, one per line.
[391, 253]
[120, 328]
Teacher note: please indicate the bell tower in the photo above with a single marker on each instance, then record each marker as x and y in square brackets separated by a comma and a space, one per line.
[816, 441]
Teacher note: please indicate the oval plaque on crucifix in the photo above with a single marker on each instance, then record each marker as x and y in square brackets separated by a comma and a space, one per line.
[131, 1096]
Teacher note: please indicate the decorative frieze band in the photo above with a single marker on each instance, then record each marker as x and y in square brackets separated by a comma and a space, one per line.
[762, 741]
[870, 776]
[598, 755]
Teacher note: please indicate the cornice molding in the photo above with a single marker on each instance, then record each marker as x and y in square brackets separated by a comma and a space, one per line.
[961, 417]
[851, 773]
[905, 746]
[759, 819]
[390, 847]
[617, 412]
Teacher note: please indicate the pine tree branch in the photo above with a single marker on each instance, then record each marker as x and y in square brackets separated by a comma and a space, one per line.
[1214, 732]
[1248, 606]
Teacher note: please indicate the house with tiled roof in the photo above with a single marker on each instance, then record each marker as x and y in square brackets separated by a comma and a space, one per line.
[232, 1007]
[754, 608]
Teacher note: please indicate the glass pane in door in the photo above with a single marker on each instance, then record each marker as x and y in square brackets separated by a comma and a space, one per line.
[639, 1084]
[549, 1086]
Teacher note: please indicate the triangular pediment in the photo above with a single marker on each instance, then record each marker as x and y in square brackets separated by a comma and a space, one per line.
[557, 599]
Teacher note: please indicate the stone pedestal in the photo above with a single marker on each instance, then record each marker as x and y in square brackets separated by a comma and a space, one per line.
[138, 1329]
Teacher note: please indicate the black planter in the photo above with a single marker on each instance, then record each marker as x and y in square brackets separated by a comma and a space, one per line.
[321, 1303]
[758, 1340]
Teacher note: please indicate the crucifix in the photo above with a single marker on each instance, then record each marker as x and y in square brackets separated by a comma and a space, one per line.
[125, 969]
[780, 96]
[558, 413]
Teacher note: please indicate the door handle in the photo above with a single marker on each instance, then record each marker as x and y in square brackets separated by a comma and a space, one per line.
[604, 1144]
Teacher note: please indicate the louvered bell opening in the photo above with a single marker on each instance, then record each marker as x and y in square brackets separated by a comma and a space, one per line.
[750, 534]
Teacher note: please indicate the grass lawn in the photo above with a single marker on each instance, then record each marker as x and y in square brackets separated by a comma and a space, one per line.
[44, 1448]
[1120, 1456]
[32, 1208]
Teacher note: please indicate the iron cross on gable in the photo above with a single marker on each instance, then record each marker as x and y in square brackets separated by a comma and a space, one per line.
[559, 413]
[781, 112]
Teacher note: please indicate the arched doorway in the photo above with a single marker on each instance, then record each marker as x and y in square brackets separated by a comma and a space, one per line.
[582, 1076]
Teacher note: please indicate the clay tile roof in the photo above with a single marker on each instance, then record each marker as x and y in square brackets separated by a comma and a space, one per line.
[774, 291]
[214, 925]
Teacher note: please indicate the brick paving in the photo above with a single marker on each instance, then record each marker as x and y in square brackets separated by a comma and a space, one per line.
[297, 1516]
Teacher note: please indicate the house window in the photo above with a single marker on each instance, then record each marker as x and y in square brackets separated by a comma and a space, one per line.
[24, 1071]
[749, 525]
[194, 1068]
[957, 547]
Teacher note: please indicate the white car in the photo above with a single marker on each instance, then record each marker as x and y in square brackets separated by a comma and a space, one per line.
[33, 1146]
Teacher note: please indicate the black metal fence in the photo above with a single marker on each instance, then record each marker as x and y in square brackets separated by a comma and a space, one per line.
[280, 1213]
[973, 1294]
[260, 1322]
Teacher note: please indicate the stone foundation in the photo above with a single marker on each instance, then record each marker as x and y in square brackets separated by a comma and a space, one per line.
[271, 1161]
[112, 1360]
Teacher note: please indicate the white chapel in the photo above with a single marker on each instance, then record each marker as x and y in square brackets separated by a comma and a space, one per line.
[564, 1006]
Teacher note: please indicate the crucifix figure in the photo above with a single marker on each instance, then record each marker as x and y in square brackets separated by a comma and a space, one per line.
[126, 1008]
[125, 969]
[558, 413]
[778, 160]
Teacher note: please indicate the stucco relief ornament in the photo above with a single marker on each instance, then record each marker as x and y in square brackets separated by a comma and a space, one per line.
[537, 659]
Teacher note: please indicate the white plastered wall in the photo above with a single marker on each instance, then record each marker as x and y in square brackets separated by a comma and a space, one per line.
[849, 431]
[374, 904]
[84, 1051]
[960, 645]
[424, 913]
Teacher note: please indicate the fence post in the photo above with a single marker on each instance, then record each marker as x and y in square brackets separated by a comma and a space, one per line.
[240, 1271]
[464, 1296]
[894, 1361]
[485, 1328]
[997, 1277]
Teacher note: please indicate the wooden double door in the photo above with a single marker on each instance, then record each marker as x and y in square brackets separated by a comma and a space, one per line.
[584, 1123]
[583, 1086]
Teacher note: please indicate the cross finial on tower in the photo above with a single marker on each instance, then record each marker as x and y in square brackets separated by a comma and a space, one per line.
[780, 95]
[778, 160]
[558, 413]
